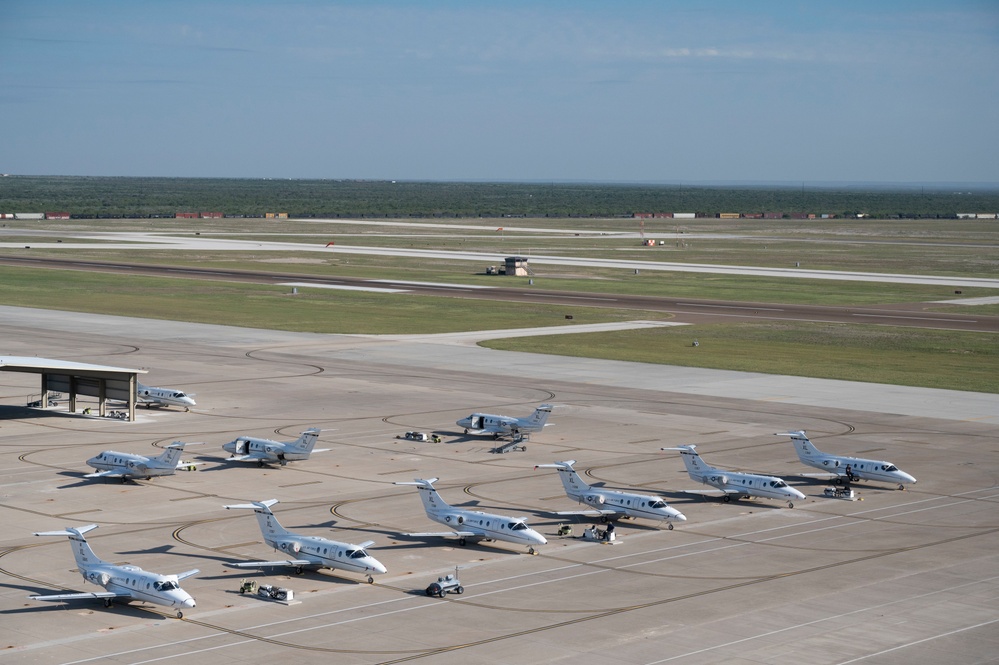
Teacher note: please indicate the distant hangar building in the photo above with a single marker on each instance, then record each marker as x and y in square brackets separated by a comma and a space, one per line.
[101, 381]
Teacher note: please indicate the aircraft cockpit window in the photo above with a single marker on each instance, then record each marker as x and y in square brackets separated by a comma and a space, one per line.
[658, 504]
[890, 467]
[179, 395]
[778, 483]
[166, 585]
[356, 554]
[517, 526]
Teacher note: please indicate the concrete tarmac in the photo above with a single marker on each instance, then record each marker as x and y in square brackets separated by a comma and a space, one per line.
[896, 576]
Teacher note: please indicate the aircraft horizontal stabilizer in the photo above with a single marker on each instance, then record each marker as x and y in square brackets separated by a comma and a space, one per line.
[80, 596]
[269, 564]
[79, 529]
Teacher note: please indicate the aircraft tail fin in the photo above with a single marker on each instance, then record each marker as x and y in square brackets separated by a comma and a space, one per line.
[571, 480]
[307, 441]
[269, 525]
[171, 455]
[82, 552]
[540, 416]
[805, 448]
[695, 465]
[432, 501]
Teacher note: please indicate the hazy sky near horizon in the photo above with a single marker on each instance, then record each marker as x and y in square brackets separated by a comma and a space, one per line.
[628, 91]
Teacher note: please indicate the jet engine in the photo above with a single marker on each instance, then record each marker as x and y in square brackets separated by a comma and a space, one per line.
[454, 519]
[721, 480]
[291, 546]
[596, 499]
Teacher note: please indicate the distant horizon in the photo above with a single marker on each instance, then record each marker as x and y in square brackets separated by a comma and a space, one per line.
[733, 184]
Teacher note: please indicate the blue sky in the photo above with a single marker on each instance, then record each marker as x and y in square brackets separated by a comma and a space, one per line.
[626, 91]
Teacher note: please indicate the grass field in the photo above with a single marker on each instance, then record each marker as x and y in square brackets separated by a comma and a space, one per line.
[962, 361]
[873, 354]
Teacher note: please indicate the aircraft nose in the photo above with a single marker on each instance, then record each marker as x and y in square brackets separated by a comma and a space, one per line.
[379, 567]
[907, 478]
[680, 517]
[187, 602]
[539, 539]
[796, 493]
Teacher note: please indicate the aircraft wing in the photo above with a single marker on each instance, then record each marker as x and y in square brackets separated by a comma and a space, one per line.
[251, 456]
[269, 564]
[823, 474]
[446, 534]
[187, 573]
[589, 513]
[105, 474]
[714, 491]
[81, 596]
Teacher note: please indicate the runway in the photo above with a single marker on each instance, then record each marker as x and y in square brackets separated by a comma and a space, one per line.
[685, 310]
[896, 577]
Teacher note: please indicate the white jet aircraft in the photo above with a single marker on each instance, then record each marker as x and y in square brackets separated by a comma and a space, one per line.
[485, 423]
[163, 397]
[734, 482]
[112, 464]
[120, 581]
[473, 525]
[265, 451]
[312, 551]
[611, 504]
[850, 468]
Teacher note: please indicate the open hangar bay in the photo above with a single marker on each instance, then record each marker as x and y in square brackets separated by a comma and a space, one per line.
[897, 577]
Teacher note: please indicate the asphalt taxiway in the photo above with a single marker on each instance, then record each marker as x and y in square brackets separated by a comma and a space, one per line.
[899, 576]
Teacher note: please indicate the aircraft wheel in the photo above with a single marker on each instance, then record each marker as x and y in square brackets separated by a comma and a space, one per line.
[531, 550]
[466, 430]
[462, 542]
[790, 505]
[180, 615]
[670, 526]
[299, 570]
[459, 590]
[107, 602]
[726, 498]
[371, 580]
[260, 463]
[901, 487]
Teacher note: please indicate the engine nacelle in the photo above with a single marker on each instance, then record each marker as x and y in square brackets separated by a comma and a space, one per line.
[595, 499]
[454, 519]
[291, 546]
[721, 480]
[831, 463]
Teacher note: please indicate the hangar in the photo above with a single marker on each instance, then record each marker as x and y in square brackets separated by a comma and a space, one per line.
[101, 381]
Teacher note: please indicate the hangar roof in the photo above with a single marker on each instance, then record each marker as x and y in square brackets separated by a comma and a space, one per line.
[39, 365]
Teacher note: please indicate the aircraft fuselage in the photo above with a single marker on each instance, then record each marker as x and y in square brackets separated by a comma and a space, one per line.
[324, 553]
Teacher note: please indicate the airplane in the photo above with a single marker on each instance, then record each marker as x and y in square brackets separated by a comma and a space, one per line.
[850, 468]
[734, 482]
[112, 464]
[611, 504]
[265, 451]
[473, 525]
[313, 552]
[120, 581]
[485, 423]
[163, 397]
